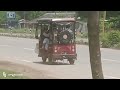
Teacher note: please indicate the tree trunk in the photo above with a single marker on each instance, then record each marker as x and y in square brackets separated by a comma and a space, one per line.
[94, 46]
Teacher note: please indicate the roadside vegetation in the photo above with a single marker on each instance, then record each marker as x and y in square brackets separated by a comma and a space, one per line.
[110, 38]
[23, 30]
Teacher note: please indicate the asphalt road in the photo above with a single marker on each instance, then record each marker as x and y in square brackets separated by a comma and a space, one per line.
[21, 50]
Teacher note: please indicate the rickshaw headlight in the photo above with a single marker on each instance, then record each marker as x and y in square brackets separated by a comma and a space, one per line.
[55, 47]
[73, 49]
[55, 50]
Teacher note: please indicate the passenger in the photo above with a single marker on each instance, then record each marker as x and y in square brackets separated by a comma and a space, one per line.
[46, 40]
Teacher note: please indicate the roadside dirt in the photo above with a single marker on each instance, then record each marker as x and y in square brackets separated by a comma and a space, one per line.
[25, 70]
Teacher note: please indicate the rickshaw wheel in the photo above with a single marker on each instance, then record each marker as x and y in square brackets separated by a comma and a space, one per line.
[71, 61]
[50, 60]
[44, 59]
[44, 55]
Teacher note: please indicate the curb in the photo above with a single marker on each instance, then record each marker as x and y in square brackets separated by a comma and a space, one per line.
[79, 42]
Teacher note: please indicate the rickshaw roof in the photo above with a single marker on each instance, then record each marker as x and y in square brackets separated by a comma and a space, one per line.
[57, 19]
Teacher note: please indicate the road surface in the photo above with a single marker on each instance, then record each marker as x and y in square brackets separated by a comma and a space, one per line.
[21, 51]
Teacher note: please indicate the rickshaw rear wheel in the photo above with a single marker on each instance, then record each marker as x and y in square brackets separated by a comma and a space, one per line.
[71, 61]
[44, 59]
[50, 60]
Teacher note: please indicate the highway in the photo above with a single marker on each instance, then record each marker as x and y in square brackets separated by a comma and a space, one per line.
[21, 51]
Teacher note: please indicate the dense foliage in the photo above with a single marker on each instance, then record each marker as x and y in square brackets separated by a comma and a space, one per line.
[28, 15]
[110, 39]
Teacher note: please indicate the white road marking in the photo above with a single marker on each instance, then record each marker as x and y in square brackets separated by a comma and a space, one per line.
[26, 61]
[6, 46]
[111, 60]
[15, 58]
[29, 49]
[111, 77]
[13, 46]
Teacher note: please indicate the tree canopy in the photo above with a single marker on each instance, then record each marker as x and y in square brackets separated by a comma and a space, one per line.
[28, 15]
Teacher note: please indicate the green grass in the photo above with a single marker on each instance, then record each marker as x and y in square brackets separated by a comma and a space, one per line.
[27, 31]
[6, 74]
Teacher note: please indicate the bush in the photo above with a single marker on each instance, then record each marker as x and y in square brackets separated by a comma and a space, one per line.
[104, 40]
[108, 25]
[110, 39]
[114, 37]
[117, 46]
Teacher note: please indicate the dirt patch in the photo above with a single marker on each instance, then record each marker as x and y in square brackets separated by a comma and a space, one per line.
[25, 70]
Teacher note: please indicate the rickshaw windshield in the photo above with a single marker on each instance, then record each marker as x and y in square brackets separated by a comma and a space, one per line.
[64, 25]
[44, 27]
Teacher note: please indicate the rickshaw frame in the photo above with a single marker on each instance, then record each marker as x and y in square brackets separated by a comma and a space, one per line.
[50, 55]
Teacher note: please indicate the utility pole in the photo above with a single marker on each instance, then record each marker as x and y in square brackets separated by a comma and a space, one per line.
[24, 14]
[76, 15]
[24, 19]
[55, 14]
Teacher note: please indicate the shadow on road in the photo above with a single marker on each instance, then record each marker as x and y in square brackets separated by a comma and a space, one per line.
[54, 63]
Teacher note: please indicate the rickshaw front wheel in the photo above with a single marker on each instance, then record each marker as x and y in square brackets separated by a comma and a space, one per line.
[71, 61]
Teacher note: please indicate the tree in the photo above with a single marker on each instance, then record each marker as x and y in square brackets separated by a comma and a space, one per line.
[2, 16]
[94, 46]
[29, 15]
[35, 14]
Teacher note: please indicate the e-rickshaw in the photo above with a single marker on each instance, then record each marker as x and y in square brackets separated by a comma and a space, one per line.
[61, 41]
